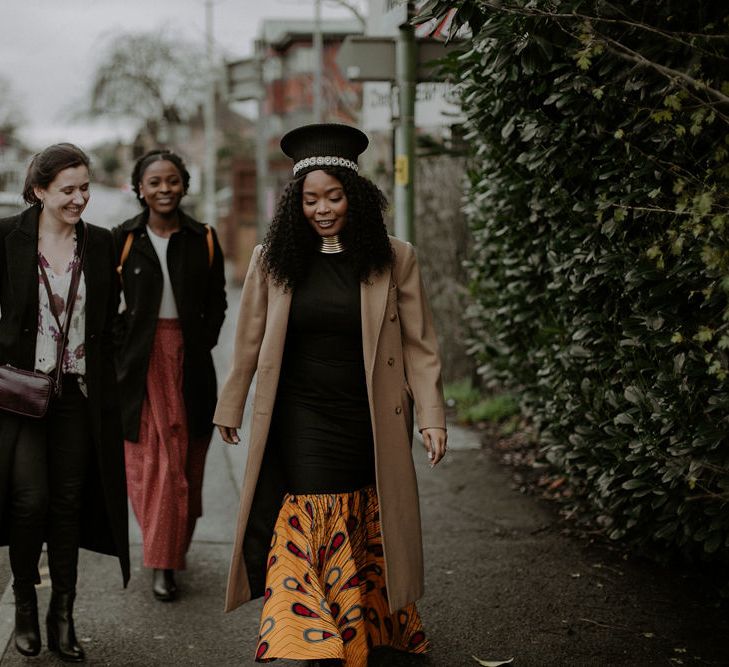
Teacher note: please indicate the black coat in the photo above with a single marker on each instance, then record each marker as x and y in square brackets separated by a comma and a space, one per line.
[104, 525]
[199, 290]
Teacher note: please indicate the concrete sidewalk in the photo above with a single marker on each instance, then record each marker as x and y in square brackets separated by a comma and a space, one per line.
[502, 581]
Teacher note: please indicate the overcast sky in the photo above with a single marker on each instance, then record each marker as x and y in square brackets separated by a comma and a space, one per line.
[49, 48]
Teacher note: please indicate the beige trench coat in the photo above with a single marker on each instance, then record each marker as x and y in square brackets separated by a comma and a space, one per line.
[402, 364]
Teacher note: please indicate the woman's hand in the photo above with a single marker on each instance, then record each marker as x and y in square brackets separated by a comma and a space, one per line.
[435, 441]
[229, 434]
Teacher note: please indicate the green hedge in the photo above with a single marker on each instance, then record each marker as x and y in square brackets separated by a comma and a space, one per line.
[598, 200]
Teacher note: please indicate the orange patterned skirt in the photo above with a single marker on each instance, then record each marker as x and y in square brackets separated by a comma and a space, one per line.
[325, 594]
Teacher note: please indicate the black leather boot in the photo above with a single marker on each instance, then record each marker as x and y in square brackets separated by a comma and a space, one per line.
[61, 633]
[163, 585]
[27, 630]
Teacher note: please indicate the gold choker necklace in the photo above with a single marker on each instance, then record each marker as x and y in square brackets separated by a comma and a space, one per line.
[331, 245]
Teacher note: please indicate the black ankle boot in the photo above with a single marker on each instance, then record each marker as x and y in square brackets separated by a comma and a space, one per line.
[61, 633]
[27, 630]
[163, 585]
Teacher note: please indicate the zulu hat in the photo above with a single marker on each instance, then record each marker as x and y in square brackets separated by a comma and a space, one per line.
[321, 145]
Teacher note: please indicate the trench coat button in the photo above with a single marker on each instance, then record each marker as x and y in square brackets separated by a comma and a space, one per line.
[137, 270]
[393, 317]
[390, 361]
[398, 410]
[92, 336]
[26, 330]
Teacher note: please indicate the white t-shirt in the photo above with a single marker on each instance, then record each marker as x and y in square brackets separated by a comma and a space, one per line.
[167, 307]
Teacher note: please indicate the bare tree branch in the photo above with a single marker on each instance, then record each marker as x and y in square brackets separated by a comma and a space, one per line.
[352, 7]
[629, 54]
[149, 76]
[577, 16]
[619, 49]
[9, 112]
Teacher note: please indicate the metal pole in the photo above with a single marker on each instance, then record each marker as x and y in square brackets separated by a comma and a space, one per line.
[209, 121]
[405, 61]
[261, 150]
[318, 52]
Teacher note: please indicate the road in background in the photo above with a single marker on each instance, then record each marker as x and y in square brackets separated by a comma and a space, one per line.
[108, 207]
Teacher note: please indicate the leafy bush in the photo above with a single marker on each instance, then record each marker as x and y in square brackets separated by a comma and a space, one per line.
[599, 200]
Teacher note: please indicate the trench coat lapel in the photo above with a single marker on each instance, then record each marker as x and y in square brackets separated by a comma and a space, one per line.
[373, 301]
[21, 248]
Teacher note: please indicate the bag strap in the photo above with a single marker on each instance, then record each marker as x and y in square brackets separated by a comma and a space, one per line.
[70, 301]
[125, 252]
[209, 237]
[130, 239]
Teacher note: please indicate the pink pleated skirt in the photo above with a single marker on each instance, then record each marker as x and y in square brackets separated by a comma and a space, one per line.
[165, 468]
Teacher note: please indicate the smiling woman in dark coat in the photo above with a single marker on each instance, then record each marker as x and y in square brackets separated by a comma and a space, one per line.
[61, 476]
[174, 291]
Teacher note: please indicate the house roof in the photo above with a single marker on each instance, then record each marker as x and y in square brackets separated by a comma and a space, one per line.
[279, 33]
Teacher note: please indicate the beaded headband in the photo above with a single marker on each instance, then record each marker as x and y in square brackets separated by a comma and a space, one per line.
[324, 161]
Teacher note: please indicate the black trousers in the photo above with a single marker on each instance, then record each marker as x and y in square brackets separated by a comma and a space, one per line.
[52, 457]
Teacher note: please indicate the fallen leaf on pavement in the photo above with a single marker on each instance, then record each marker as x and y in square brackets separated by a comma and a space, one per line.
[493, 663]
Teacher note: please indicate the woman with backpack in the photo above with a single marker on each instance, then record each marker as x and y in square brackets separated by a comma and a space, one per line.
[173, 305]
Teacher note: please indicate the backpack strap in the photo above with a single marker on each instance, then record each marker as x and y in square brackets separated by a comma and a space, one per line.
[211, 250]
[130, 238]
[125, 252]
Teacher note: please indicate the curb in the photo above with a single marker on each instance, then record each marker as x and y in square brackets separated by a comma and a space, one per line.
[462, 439]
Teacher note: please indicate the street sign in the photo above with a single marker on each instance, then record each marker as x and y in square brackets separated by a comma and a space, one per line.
[244, 80]
[367, 58]
[373, 58]
[436, 106]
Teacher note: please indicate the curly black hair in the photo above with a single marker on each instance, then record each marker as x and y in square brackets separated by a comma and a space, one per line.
[140, 166]
[290, 241]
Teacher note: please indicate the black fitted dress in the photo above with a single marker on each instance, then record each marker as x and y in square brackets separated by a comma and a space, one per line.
[321, 428]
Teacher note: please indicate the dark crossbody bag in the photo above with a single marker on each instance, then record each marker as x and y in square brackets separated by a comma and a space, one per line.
[28, 393]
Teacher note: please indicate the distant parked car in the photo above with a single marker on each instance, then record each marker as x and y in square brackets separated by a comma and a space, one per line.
[11, 203]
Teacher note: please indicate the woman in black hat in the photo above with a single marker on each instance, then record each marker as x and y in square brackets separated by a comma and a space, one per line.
[335, 323]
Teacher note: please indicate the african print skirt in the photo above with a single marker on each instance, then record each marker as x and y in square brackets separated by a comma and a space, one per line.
[325, 594]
